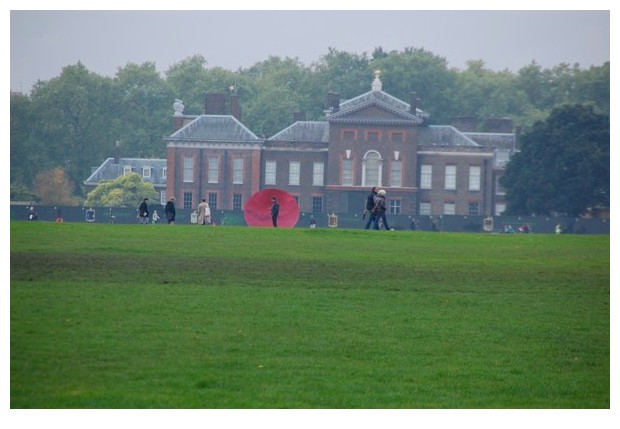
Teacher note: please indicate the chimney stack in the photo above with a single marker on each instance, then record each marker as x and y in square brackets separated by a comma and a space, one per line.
[235, 107]
[215, 104]
[117, 152]
[299, 116]
[333, 101]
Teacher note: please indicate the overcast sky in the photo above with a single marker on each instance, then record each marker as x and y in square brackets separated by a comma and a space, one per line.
[43, 42]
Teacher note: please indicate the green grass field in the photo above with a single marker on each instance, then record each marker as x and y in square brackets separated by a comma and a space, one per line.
[158, 316]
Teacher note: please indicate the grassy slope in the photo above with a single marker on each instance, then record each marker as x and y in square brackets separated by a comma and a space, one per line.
[129, 316]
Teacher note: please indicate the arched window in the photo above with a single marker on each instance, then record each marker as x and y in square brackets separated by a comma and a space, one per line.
[372, 169]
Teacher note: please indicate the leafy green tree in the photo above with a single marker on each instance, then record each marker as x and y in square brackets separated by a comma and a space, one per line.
[280, 90]
[26, 149]
[343, 72]
[126, 191]
[142, 111]
[563, 166]
[420, 71]
[190, 80]
[73, 119]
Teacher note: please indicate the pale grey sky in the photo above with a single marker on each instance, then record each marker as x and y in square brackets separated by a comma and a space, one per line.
[43, 42]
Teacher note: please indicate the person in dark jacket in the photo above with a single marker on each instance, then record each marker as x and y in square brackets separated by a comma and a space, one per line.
[143, 212]
[370, 205]
[275, 211]
[170, 211]
[380, 208]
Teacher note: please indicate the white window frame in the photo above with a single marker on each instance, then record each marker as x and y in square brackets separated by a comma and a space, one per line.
[347, 172]
[188, 169]
[164, 173]
[475, 174]
[127, 169]
[318, 174]
[147, 172]
[271, 168]
[425, 209]
[396, 174]
[449, 208]
[450, 177]
[426, 176]
[213, 173]
[294, 173]
[238, 171]
[370, 156]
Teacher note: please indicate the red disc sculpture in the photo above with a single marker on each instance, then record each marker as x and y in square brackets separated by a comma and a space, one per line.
[257, 211]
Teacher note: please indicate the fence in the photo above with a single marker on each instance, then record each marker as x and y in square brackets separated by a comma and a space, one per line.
[445, 223]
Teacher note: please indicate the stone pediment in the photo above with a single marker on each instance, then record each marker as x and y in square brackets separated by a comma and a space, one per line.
[374, 111]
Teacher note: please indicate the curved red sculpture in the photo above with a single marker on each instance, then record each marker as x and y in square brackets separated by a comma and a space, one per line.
[257, 211]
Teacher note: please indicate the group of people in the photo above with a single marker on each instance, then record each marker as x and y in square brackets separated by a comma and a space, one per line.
[144, 215]
[204, 212]
[375, 209]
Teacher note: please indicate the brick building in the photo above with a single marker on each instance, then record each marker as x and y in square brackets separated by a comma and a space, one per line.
[374, 139]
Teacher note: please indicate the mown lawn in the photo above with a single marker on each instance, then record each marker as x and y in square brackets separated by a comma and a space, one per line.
[158, 316]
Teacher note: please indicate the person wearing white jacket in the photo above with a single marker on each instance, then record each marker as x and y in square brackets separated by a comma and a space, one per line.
[204, 213]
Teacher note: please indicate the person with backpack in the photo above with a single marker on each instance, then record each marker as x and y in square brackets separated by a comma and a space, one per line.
[370, 204]
[380, 209]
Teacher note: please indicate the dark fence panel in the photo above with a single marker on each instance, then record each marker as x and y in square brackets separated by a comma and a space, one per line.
[446, 223]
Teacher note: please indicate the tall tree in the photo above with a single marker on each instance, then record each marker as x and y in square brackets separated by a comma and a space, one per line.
[420, 71]
[142, 111]
[74, 120]
[563, 166]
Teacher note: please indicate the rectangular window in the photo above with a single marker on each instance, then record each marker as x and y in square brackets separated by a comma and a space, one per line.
[450, 177]
[394, 206]
[317, 204]
[212, 201]
[474, 178]
[163, 197]
[147, 172]
[426, 176]
[348, 135]
[501, 157]
[448, 209]
[347, 172]
[318, 168]
[237, 202]
[474, 209]
[164, 173]
[270, 172]
[187, 200]
[188, 169]
[238, 171]
[425, 209]
[293, 173]
[127, 169]
[396, 137]
[396, 174]
[499, 189]
[372, 136]
[214, 173]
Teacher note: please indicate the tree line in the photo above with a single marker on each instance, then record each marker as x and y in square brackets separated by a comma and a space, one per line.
[71, 123]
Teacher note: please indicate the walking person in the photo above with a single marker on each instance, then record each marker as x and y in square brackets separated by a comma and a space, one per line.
[380, 209]
[170, 211]
[204, 213]
[143, 212]
[370, 205]
[275, 211]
